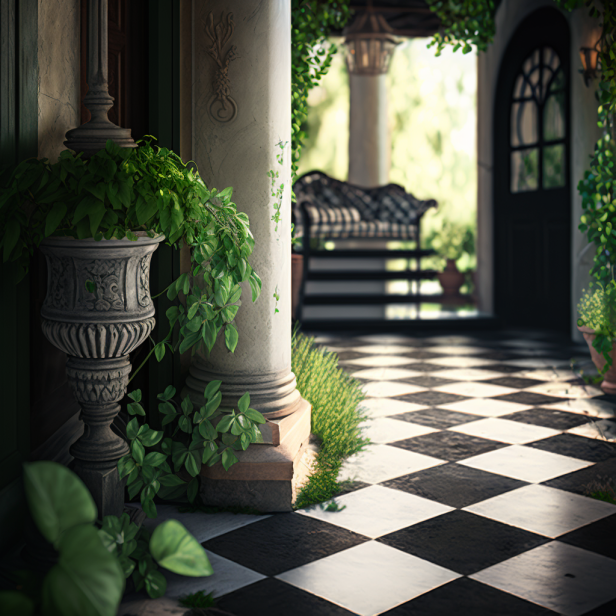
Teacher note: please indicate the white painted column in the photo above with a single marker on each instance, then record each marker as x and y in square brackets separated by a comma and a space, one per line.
[369, 151]
[241, 113]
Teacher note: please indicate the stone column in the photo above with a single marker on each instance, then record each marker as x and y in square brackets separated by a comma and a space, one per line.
[241, 117]
[369, 152]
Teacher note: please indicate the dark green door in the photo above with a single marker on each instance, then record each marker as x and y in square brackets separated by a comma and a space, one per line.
[532, 203]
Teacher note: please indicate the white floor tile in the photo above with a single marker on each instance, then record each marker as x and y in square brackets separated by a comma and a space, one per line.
[386, 389]
[462, 361]
[543, 510]
[585, 406]
[488, 407]
[383, 349]
[227, 577]
[525, 463]
[505, 430]
[455, 350]
[381, 361]
[466, 374]
[385, 374]
[563, 578]
[376, 511]
[566, 390]
[369, 579]
[382, 407]
[477, 390]
[379, 463]
[602, 429]
[385, 339]
[203, 526]
[389, 430]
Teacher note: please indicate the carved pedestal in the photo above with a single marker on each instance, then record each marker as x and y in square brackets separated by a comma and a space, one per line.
[97, 310]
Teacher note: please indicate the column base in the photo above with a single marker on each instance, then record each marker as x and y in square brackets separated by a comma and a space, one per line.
[268, 477]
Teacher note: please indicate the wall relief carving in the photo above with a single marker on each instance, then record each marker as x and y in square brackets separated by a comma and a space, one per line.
[222, 106]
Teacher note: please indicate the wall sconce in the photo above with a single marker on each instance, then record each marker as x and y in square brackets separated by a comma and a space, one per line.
[370, 44]
[590, 59]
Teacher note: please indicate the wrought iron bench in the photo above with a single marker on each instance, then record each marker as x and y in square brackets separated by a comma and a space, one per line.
[327, 209]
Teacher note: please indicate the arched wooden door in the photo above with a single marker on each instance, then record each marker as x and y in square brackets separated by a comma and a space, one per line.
[532, 201]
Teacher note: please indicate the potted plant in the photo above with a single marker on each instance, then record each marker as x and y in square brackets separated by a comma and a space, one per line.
[98, 222]
[451, 242]
[597, 322]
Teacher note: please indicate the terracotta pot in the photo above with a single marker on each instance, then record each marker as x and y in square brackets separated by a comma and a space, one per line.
[297, 275]
[451, 279]
[609, 379]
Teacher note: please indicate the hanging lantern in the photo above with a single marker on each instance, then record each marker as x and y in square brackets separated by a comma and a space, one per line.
[370, 43]
[590, 57]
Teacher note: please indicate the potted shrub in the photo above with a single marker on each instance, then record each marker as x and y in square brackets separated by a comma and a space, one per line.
[597, 322]
[451, 242]
[98, 222]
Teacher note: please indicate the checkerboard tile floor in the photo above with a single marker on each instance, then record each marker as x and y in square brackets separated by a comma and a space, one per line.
[471, 499]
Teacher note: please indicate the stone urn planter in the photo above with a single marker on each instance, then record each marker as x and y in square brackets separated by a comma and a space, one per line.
[451, 279]
[297, 277]
[609, 379]
[97, 310]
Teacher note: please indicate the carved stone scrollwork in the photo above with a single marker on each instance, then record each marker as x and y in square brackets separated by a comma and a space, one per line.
[143, 286]
[222, 106]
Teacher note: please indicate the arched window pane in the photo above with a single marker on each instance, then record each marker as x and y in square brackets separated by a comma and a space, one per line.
[523, 123]
[524, 170]
[554, 166]
[554, 117]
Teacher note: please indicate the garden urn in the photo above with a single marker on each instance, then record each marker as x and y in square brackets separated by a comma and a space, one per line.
[451, 279]
[97, 310]
[609, 378]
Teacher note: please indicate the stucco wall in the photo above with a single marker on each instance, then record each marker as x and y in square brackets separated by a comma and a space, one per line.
[59, 73]
[584, 133]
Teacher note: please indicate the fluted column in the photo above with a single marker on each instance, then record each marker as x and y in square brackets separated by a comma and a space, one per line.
[241, 118]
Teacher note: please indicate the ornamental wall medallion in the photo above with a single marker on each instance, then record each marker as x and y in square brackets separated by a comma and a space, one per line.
[222, 106]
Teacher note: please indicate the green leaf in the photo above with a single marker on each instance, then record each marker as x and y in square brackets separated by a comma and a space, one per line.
[125, 466]
[231, 337]
[244, 403]
[135, 409]
[171, 481]
[228, 459]
[54, 218]
[132, 428]
[151, 437]
[211, 389]
[255, 285]
[159, 351]
[224, 424]
[155, 458]
[138, 451]
[168, 393]
[16, 603]
[254, 416]
[57, 498]
[175, 549]
[87, 581]
[155, 584]
[135, 395]
[193, 463]
[193, 488]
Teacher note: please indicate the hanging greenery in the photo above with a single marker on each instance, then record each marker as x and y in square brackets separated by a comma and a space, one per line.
[311, 57]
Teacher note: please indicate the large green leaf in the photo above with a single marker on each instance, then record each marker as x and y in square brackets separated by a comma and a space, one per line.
[58, 499]
[87, 581]
[177, 550]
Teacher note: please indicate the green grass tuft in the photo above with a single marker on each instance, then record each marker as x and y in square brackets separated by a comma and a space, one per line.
[336, 417]
[198, 600]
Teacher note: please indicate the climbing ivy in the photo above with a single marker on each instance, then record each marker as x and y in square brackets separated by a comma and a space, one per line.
[311, 57]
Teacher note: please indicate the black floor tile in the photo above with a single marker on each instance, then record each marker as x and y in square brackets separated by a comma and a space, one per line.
[513, 381]
[463, 542]
[452, 446]
[431, 398]
[421, 354]
[465, 597]
[271, 597]
[580, 481]
[548, 418]
[347, 355]
[575, 446]
[497, 355]
[422, 366]
[454, 485]
[607, 609]
[351, 486]
[599, 537]
[437, 418]
[504, 368]
[529, 397]
[282, 542]
[425, 380]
